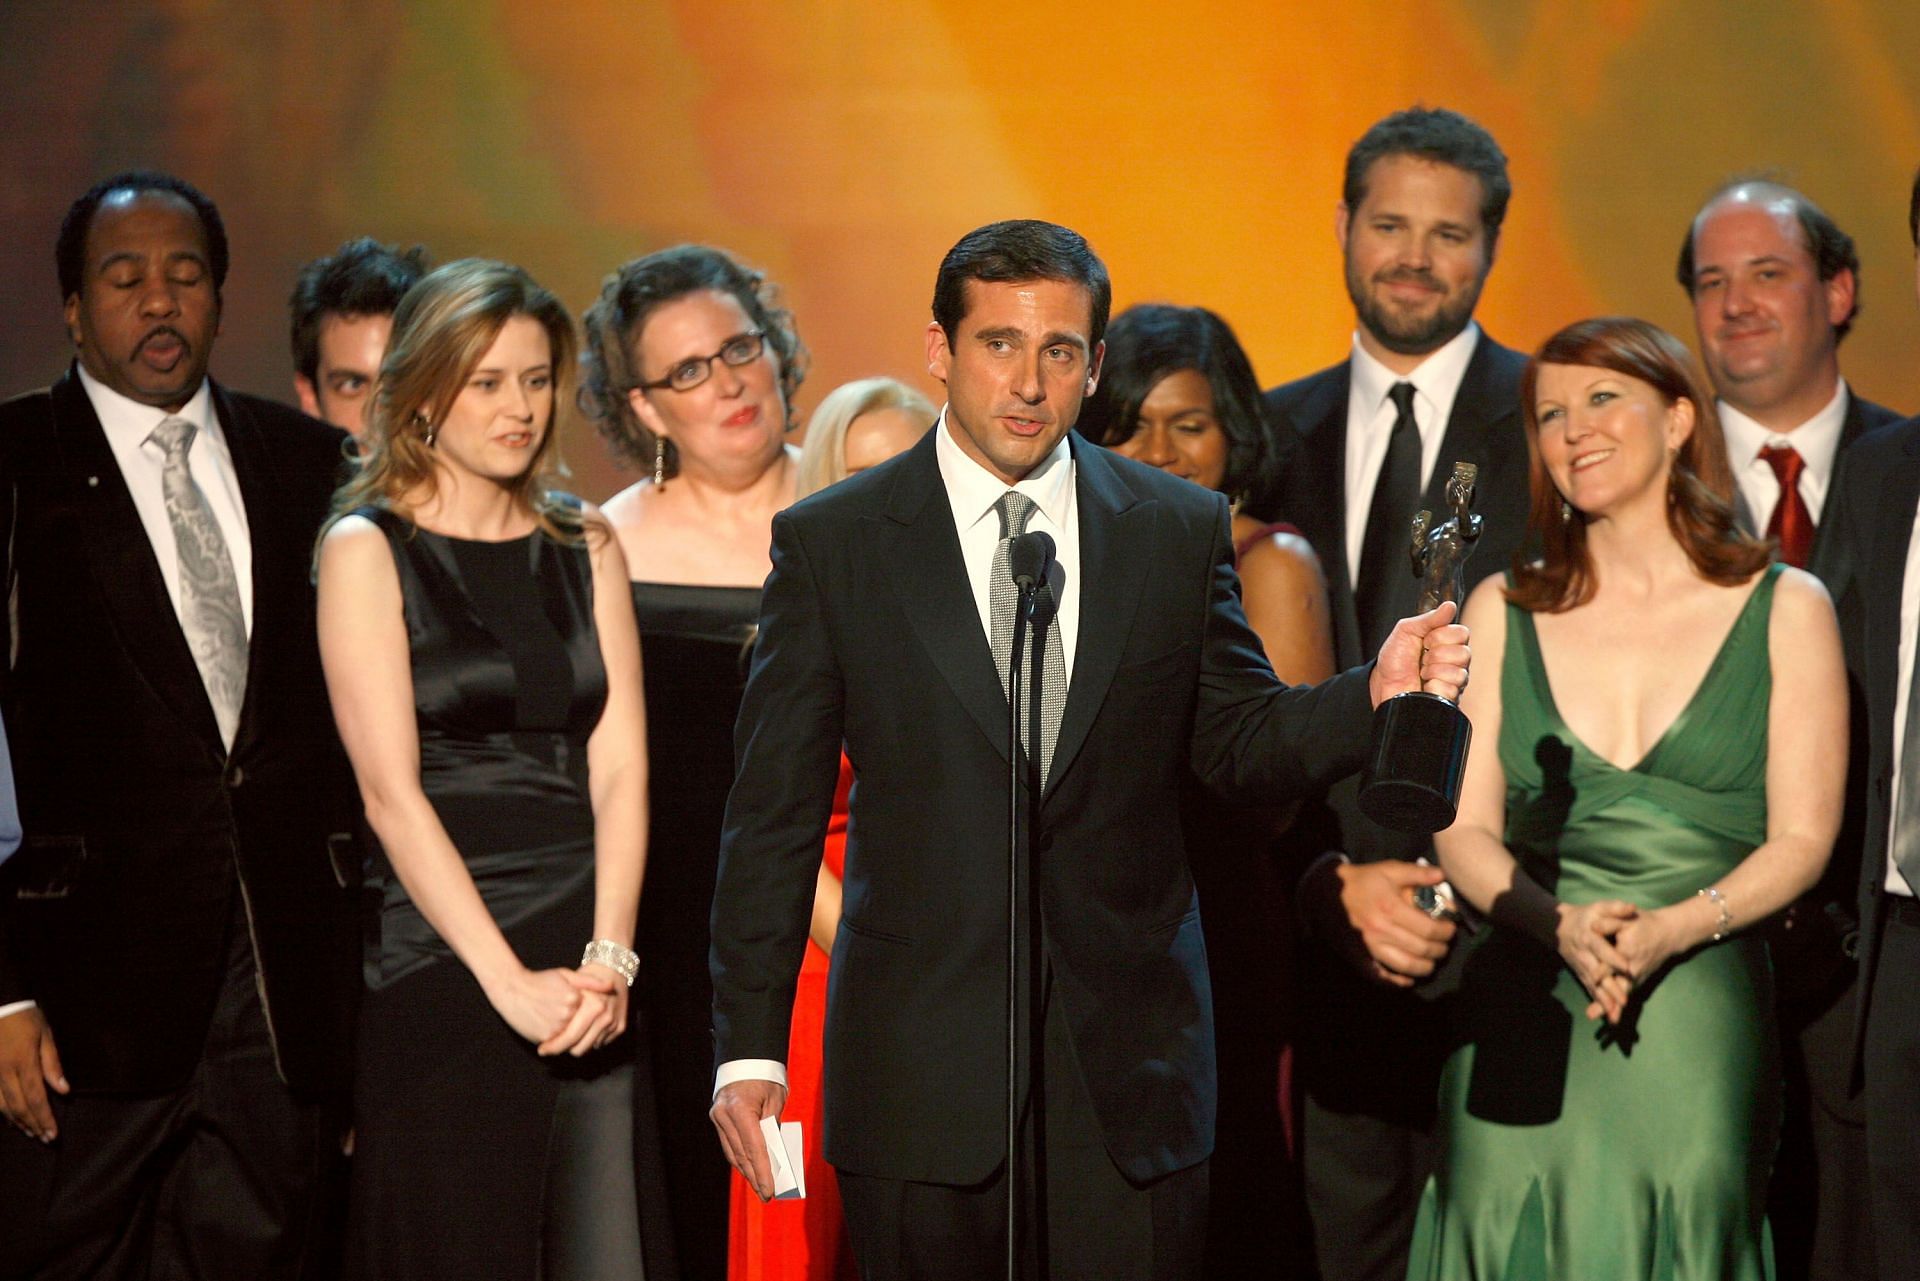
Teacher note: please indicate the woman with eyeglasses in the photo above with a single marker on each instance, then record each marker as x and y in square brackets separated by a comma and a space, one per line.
[689, 372]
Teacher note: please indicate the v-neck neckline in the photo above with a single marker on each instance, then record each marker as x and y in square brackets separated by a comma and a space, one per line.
[1544, 685]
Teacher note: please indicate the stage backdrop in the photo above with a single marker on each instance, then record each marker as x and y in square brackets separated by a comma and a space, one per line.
[843, 145]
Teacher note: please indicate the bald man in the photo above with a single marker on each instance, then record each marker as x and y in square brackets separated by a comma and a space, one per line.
[1775, 285]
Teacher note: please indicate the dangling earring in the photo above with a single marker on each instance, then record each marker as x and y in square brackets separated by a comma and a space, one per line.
[659, 462]
[1566, 512]
[426, 429]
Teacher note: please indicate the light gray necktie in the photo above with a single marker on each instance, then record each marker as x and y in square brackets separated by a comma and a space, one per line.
[1015, 510]
[210, 614]
[1906, 814]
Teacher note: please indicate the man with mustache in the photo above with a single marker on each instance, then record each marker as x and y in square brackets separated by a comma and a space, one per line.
[178, 943]
[343, 307]
[1374, 440]
[1774, 284]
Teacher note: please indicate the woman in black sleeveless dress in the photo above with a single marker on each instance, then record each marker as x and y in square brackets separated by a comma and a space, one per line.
[484, 669]
[689, 373]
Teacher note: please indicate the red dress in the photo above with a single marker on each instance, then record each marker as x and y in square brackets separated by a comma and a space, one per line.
[800, 1240]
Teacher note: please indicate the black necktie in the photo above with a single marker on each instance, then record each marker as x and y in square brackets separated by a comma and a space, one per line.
[1385, 586]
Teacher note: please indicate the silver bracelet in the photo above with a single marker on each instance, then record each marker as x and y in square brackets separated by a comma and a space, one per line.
[1725, 925]
[623, 961]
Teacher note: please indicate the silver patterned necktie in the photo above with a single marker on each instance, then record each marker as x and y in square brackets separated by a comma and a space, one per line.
[210, 615]
[1015, 510]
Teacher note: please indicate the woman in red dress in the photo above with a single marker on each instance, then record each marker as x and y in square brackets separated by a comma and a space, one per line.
[855, 427]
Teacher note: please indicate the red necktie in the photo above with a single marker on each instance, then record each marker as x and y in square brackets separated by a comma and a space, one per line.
[1792, 523]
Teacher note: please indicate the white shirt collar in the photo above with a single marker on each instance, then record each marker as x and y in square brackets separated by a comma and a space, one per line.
[123, 417]
[1817, 440]
[973, 490]
[1436, 379]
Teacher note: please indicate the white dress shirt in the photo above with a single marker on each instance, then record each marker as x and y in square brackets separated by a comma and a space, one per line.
[128, 424]
[1909, 627]
[1817, 441]
[972, 492]
[1370, 418]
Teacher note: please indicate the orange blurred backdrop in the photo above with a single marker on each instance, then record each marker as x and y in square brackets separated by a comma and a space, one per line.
[843, 145]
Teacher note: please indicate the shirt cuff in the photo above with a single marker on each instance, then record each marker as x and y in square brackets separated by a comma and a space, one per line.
[743, 1070]
[17, 1006]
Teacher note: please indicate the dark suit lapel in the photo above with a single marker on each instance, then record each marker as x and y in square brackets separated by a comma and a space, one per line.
[124, 567]
[1322, 468]
[929, 576]
[1820, 556]
[1116, 551]
[1483, 407]
[256, 471]
[1892, 526]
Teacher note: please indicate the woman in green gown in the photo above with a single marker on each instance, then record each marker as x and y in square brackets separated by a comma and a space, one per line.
[1657, 764]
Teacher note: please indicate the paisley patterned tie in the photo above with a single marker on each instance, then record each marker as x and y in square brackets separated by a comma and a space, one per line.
[210, 613]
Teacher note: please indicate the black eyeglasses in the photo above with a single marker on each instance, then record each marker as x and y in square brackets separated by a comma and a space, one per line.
[742, 349]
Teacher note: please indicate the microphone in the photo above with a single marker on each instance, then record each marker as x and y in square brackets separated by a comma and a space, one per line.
[1028, 559]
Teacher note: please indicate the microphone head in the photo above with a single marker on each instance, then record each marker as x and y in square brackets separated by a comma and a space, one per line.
[1028, 559]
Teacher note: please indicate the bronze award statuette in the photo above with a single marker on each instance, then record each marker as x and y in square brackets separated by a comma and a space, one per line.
[1419, 751]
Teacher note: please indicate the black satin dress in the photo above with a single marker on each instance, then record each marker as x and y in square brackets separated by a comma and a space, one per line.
[474, 1156]
[696, 642]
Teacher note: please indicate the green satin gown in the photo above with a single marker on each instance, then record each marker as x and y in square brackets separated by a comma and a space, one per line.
[1572, 1149]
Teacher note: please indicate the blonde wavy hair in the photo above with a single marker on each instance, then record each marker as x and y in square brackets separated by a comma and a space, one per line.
[442, 329]
[823, 455]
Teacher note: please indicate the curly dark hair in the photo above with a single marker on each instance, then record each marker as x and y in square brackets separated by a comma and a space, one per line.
[1832, 249]
[1437, 134]
[1149, 341]
[70, 249]
[614, 323]
[361, 278]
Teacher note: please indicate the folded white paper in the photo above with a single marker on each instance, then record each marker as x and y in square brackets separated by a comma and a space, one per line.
[788, 1154]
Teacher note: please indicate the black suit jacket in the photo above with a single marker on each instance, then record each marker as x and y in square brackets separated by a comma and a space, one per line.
[1484, 428]
[1878, 485]
[1812, 950]
[869, 634]
[114, 913]
[1862, 417]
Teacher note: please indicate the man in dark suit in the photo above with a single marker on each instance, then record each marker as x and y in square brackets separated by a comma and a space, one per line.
[1876, 586]
[177, 934]
[1374, 439]
[888, 602]
[1774, 284]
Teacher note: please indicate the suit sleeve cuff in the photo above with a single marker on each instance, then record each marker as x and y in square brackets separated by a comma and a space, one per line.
[744, 1070]
[15, 1007]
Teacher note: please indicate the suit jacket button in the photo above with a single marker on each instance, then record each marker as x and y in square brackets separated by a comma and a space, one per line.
[1043, 842]
[236, 776]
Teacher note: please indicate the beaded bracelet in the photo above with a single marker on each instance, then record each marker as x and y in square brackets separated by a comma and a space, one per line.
[1725, 925]
[623, 961]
